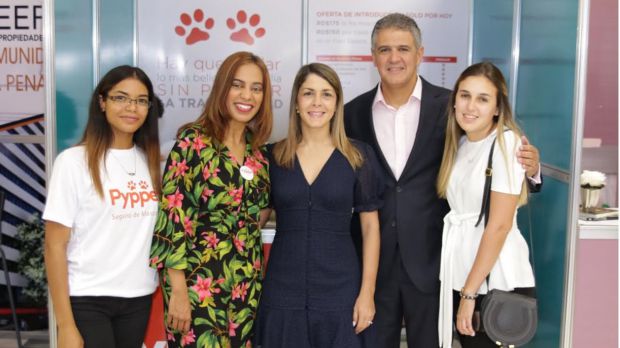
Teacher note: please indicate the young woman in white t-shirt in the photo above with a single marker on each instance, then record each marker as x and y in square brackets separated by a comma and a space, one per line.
[100, 214]
[479, 113]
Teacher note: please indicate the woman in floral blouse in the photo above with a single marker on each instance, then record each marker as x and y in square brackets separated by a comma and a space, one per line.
[207, 238]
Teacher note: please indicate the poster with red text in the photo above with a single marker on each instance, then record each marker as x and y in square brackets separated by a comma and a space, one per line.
[182, 44]
[22, 92]
[22, 125]
[339, 35]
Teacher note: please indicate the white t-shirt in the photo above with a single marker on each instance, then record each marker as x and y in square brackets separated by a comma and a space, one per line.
[108, 251]
[461, 238]
[464, 194]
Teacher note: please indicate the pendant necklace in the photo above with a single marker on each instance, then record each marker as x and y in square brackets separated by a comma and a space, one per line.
[130, 173]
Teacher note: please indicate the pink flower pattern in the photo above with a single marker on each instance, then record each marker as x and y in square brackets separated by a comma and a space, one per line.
[205, 194]
[198, 144]
[257, 265]
[240, 291]
[231, 328]
[253, 164]
[212, 240]
[206, 287]
[179, 168]
[183, 144]
[175, 200]
[188, 338]
[239, 244]
[188, 226]
[204, 230]
[236, 194]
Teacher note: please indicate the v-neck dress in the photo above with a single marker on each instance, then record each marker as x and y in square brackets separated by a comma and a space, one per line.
[208, 227]
[314, 273]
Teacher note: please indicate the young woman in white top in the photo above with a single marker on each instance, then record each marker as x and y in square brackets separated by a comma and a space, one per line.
[480, 113]
[100, 214]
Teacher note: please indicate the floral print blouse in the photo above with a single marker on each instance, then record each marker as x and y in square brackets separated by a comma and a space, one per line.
[208, 226]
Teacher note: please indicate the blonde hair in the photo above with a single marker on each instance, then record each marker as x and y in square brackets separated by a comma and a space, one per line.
[284, 151]
[504, 120]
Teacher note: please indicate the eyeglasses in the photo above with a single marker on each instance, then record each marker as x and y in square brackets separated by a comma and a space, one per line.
[123, 100]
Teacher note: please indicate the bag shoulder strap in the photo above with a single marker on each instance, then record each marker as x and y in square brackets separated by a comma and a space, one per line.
[486, 196]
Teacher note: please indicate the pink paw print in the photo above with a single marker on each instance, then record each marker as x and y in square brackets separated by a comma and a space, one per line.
[131, 185]
[244, 35]
[196, 34]
[143, 184]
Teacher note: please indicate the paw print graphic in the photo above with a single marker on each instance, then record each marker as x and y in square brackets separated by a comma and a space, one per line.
[143, 184]
[196, 34]
[244, 34]
[131, 185]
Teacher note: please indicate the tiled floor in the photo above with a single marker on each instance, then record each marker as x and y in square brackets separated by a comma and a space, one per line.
[403, 341]
[30, 339]
[39, 339]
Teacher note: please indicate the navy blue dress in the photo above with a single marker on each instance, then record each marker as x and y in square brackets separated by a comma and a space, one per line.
[314, 273]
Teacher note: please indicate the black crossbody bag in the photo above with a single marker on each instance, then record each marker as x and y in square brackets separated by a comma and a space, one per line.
[508, 318]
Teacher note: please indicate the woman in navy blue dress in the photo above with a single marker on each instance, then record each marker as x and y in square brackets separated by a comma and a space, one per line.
[316, 292]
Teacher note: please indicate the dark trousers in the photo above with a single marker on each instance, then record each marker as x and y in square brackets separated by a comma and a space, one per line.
[397, 298]
[481, 340]
[111, 322]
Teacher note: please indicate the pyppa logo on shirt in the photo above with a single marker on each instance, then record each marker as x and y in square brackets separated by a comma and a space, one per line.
[138, 195]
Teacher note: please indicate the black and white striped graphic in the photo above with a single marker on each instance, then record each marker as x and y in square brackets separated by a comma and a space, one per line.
[22, 177]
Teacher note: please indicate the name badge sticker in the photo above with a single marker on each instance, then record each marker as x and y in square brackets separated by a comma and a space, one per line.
[246, 173]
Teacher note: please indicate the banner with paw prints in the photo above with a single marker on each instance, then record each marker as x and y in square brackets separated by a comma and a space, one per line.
[181, 44]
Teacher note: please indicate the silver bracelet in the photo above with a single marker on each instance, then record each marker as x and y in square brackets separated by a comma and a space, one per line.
[467, 296]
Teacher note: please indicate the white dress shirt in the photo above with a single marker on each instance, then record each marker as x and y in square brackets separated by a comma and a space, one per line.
[396, 128]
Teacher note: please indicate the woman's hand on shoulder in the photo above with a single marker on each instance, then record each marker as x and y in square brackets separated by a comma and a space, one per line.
[363, 312]
[69, 337]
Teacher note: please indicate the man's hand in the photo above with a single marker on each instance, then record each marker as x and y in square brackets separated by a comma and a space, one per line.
[528, 157]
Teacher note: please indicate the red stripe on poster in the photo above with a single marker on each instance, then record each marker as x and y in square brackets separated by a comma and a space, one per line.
[428, 59]
[344, 58]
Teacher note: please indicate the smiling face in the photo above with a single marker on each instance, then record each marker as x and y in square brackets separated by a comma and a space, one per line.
[475, 107]
[245, 95]
[316, 102]
[124, 116]
[396, 57]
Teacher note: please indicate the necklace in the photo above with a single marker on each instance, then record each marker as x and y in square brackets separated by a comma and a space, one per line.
[130, 173]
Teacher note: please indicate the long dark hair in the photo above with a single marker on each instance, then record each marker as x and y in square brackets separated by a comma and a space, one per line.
[98, 135]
